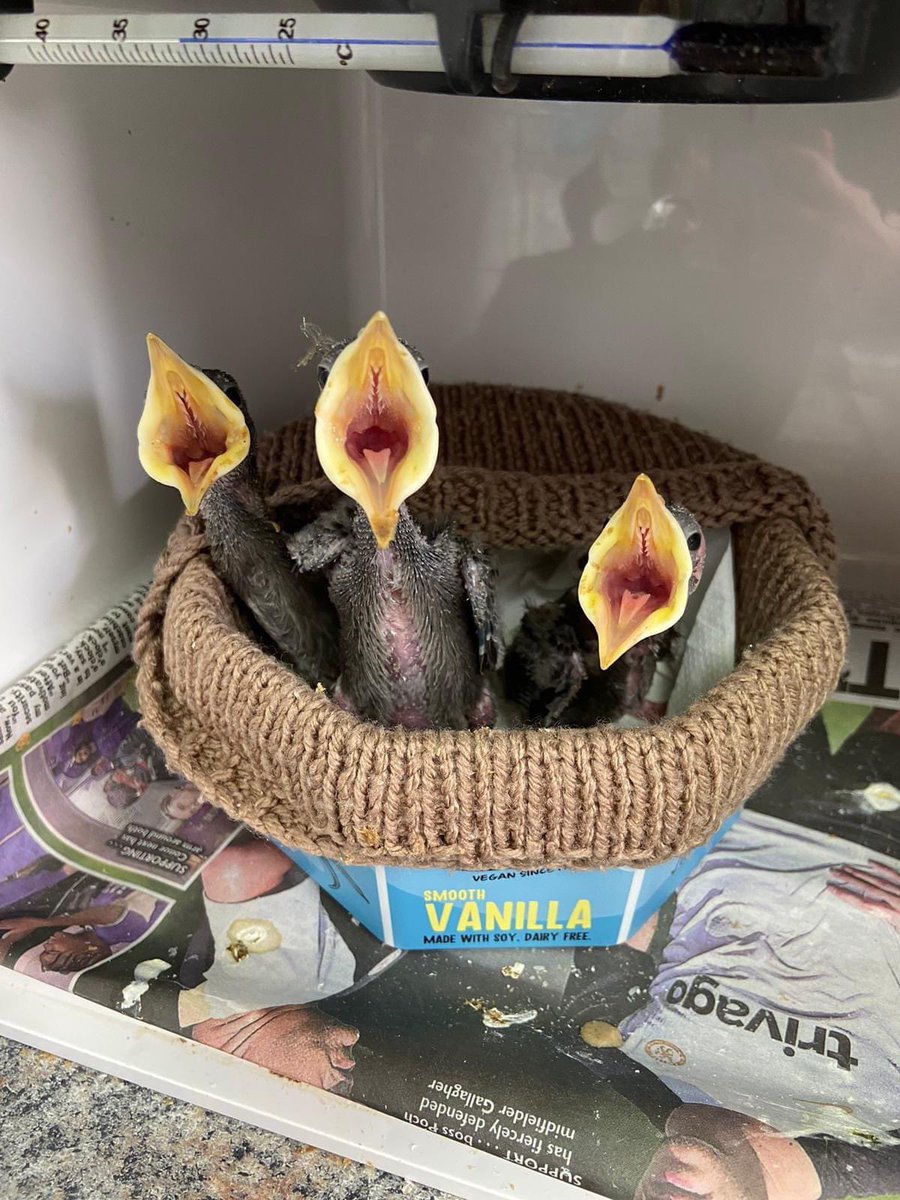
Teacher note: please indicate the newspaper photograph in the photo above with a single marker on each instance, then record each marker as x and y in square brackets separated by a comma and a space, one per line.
[742, 1045]
[94, 787]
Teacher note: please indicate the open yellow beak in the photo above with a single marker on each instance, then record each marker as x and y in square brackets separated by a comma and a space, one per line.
[636, 580]
[376, 426]
[190, 433]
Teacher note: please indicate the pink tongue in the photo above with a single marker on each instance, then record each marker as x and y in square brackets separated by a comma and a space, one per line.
[631, 604]
[197, 469]
[379, 461]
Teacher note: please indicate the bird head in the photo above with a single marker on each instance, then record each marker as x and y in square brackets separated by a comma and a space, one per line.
[696, 542]
[640, 571]
[193, 429]
[376, 423]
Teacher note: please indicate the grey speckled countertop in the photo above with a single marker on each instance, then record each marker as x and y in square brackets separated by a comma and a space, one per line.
[67, 1133]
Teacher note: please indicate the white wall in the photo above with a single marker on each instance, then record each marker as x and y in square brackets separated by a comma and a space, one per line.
[205, 205]
[748, 260]
[745, 259]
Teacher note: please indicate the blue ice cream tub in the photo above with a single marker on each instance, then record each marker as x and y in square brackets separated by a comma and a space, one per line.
[419, 908]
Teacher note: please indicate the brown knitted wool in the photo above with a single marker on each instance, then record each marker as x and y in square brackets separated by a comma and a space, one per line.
[521, 468]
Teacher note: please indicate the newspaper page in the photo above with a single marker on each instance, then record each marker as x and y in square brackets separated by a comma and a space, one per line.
[67, 672]
[743, 1044]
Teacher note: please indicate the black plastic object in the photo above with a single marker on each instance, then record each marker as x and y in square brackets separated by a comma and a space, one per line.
[787, 51]
[728, 51]
[459, 32]
[13, 6]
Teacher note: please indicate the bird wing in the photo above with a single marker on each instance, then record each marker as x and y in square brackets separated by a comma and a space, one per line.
[318, 545]
[478, 573]
[294, 612]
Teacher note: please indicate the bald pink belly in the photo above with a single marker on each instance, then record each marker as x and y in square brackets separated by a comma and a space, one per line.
[406, 665]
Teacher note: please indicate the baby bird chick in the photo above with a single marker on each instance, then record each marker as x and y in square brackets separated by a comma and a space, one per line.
[416, 606]
[592, 654]
[196, 434]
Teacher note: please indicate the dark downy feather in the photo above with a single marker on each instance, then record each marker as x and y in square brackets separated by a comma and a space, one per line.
[250, 554]
[417, 619]
[553, 666]
[553, 670]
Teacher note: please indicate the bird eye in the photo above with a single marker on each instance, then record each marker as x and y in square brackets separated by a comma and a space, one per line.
[694, 541]
[322, 374]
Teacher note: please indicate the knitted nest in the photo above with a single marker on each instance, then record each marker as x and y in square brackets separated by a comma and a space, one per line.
[527, 469]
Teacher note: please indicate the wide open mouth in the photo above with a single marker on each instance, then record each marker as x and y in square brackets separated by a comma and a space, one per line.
[377, 439]
[190, 433]
[635, 584]
[193, 446]
[376, 428]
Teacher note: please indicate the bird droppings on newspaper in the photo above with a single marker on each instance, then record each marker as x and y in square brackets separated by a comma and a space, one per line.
[496, 1018]
[144, 974]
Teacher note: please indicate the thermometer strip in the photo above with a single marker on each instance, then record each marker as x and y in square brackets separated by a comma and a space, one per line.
[606, 46]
